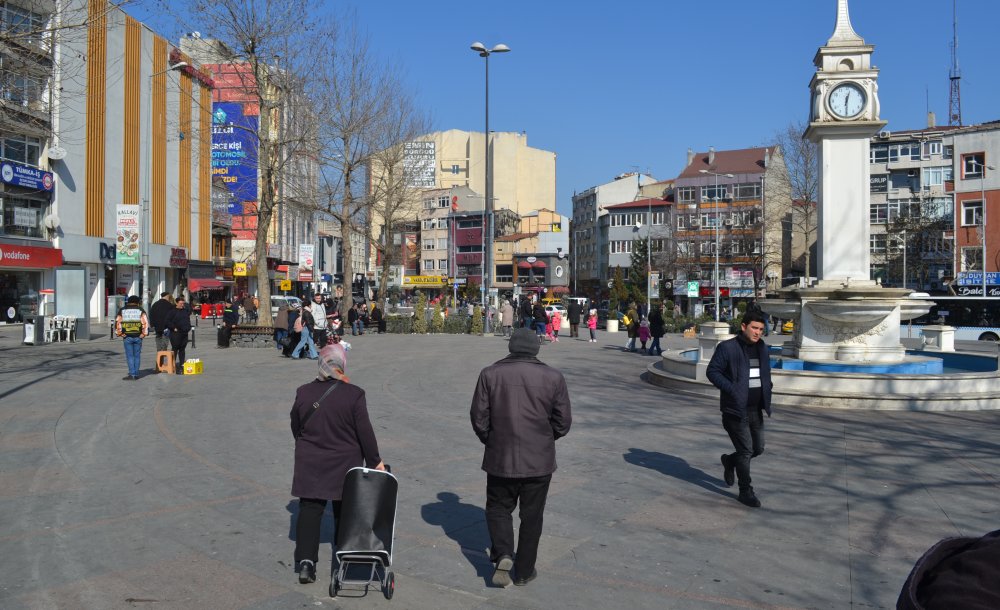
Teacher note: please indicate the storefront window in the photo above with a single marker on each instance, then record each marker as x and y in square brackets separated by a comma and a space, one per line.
[22, 217]
[19, 295]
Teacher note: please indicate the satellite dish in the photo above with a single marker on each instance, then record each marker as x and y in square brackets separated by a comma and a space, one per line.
[51, 221]
[56, 153]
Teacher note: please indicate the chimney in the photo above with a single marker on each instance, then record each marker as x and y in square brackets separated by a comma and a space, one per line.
[690, 156]
[711, 156]
[931, 120]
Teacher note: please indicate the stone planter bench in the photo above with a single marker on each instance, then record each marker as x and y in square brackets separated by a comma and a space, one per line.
[253, 336]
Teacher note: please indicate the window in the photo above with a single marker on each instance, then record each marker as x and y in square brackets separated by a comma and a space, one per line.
[429, 244]
[442, 243]
[972, 258]
[684, 248]
[659, 218]
[707, 221]
[876, 243]
[22, 217]
[737, 248]
[620, 247]
[903, 209]
[454, 168]
[428, 204]
[20, 89]
[627, 220]
[934, 148]
[948, 152]
[706, 247]
[428, 265]
[467, 249]
[470, 224]
[21, 149]
[972, 165]
[757, 246]
[743, 192]
[430, 224]
[972, 213]
[879, 154]
[443, 264]
[686, 194]
[713, 193]
[910, 151]
[935, 176]
[22, 23]
[681, 222]
[444, 202]
[658, 245]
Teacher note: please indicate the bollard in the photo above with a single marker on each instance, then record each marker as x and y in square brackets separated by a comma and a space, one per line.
[192, 339]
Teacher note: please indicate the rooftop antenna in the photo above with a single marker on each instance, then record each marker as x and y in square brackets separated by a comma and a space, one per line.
[955, 76]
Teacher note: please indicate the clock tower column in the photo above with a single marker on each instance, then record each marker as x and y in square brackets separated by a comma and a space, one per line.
[843, 117]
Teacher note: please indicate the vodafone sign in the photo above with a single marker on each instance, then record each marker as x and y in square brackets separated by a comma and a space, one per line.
[29, 256]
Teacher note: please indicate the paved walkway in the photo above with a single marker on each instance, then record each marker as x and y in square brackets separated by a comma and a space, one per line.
[172, 492]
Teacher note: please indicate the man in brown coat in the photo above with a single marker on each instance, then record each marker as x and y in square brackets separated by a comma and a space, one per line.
[521, 406]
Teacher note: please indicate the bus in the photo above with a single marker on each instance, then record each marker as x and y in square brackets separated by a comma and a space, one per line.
[974, 318]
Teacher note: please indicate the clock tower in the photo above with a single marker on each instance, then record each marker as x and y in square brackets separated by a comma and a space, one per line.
[844, 115]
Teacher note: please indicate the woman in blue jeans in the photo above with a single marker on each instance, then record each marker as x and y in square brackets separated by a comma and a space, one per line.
[307, 335]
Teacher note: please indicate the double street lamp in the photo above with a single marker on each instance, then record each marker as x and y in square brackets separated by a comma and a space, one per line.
[485, 53]
[146, 224]
[716, 198]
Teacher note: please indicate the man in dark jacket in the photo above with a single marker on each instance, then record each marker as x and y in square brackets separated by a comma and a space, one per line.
[157, 319]
[230, 318]
[179, 322]
[525, 312]
[741, 369]
[573, 312]
[520, 407]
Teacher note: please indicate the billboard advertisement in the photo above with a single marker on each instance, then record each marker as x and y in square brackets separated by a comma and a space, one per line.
[127, 239]
[305, 262]
[234, 153]
[420, 163]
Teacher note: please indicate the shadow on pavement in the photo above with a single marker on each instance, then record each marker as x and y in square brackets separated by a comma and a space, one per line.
[466, 525]
[676, 467]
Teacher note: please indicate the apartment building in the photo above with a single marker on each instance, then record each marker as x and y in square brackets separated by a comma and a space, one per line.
[625, 223]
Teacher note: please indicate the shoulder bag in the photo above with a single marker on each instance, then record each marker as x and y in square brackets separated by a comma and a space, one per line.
[315, 407]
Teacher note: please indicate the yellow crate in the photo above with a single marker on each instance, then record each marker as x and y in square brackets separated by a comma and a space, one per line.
[193, 367]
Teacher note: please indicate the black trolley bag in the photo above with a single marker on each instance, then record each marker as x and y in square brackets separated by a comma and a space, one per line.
[367, 528]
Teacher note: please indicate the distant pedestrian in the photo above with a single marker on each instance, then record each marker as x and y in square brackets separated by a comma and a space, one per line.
[540, 319]
[741, 369]
[656, 330]
[281, 326]
[556, 320]
[132, 324]
[230, 319]
[333, 433]
[592, 325]
[632, 327]
[157, 319]
[319, 315]
[644, 334]
[307, 322]
[179, 323]
[573, 313]
[519, 409]
[507, 318]
[377, 319]
[525, 310]
[249, 309]
[294, 329]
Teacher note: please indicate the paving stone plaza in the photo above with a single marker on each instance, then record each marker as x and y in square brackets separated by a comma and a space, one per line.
[173, 492]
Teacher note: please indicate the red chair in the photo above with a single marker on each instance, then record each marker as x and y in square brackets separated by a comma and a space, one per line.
[205, 310]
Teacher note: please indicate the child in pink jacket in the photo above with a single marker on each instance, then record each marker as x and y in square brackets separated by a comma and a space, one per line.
[556, 321]
[644, 334]
[592, 325]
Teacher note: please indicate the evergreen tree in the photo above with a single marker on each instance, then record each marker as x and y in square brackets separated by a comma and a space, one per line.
[637, 271]
[420, 315]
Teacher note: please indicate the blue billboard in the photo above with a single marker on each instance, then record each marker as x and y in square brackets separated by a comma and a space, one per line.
[234, 152]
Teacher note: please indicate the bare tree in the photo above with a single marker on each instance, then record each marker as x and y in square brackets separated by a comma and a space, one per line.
[355, 97]
[802, 188]
[392, 197]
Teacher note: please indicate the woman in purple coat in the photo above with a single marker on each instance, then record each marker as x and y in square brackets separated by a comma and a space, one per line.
[332, 435]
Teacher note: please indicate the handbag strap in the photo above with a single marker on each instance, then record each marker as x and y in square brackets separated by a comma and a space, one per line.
[315, 406]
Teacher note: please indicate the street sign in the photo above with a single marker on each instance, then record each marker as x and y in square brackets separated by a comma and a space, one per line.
[692, 289]
[285, 285]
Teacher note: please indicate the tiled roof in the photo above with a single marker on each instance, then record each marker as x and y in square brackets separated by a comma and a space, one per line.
[742, 161]
[515, 236]
[641, 203]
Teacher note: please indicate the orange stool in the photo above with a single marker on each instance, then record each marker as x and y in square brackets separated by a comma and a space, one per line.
[165, 363]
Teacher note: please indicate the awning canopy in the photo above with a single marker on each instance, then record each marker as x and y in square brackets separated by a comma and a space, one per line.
[540, 265]
[559, 290]
[196, 284]
[524, 265]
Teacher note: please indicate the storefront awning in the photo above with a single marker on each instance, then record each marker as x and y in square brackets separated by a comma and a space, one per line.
[524, 265]
[540, 265]
[196, 284]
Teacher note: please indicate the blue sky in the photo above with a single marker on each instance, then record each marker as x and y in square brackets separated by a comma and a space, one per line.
[615, 87]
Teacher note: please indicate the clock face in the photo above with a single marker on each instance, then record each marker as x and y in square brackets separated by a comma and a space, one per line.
[847, 100]
[559, 271]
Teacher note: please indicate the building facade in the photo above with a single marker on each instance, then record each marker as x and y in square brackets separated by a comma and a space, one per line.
[625, 223]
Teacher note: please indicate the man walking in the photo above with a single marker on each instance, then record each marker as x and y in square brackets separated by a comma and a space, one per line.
[179, 323]
[318, 310]
[573, 313]
[132, 325]
[741, 369]
[520, 407]
[507, 317]
[158, 319]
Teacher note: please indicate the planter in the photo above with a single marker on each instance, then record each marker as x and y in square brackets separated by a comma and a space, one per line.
[612, 326]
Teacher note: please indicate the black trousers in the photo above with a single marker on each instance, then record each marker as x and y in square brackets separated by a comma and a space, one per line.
[748, 440]
[178, 343]
[308, 526]
[574, 329]
[502, 495]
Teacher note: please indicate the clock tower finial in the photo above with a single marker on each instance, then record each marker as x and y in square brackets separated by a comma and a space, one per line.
[843, 33]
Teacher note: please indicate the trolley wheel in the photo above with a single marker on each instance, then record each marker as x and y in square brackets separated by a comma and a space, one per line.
[334, 587]
[989, 337]
[390, 585]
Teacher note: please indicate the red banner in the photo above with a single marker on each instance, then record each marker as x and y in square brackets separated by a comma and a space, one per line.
[29, 256]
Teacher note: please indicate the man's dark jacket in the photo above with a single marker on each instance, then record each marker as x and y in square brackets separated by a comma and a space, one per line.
[158, 315]
[520, 407]
[574, 312]
[729, 370]
[178, 321]
[231, 314]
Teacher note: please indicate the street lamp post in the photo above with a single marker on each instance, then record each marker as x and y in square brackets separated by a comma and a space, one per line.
[576, 264]
[146, 225]
[716, 199]
[487, 258]
[982, 193]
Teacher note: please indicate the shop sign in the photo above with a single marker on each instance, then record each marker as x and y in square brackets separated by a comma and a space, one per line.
[975, 278]
[879, 183]
[424, 281]
[29, 256]
[25, 217]
[201, 272]
[106, 252]
[178, 257]
[26, 176]
[273, 250]
[127, 245]
[240, 269]
[306, 262]
[692, 289]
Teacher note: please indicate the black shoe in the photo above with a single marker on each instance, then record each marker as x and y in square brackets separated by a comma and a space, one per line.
[501, 575]
[307, 572]
[135, 378]
[127, 378]
[728, 471]
[749, 498]
[520, 582]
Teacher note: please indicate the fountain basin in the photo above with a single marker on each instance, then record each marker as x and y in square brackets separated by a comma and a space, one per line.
[848, 312]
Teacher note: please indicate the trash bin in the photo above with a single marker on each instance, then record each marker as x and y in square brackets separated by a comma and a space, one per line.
[34, 332]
